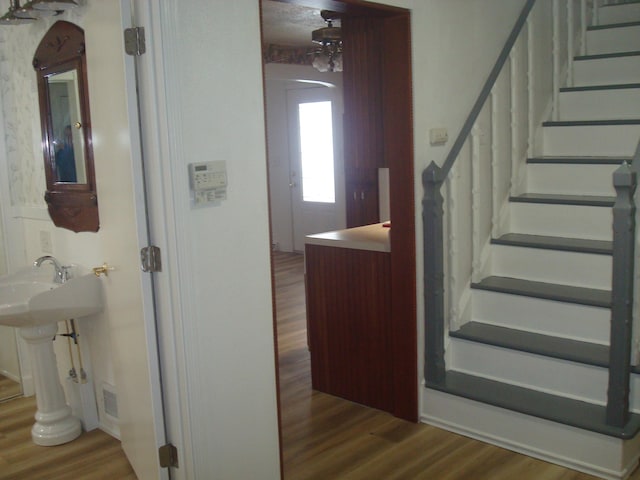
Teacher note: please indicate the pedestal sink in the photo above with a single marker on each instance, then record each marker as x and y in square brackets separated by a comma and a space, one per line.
[35, 299]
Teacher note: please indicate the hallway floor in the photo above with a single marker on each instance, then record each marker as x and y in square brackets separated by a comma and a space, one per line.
[326, 438]
[93, 456]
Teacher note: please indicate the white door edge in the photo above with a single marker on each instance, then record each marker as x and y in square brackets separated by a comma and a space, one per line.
[164, 227]
[137, 170]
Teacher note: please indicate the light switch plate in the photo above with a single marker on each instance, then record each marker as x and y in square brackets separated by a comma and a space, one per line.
[438, 136]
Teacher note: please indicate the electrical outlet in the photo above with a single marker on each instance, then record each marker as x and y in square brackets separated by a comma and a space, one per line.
[46, 245]
[438, 136]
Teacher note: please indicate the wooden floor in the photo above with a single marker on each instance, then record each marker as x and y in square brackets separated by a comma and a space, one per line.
[95, 455]
[329, 438]
[9, 388]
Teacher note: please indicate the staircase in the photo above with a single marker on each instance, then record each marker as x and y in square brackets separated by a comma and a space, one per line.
[529, 369]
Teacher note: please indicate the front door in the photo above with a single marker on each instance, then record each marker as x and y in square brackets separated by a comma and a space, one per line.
[315, 161]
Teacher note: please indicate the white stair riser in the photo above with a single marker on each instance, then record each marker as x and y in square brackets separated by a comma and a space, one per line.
[592, 453]
[600, 104]
[592, 140]
[571, 179]
[562, 319]
[550, 375]
[606, 71]
[546, 374]
[619, 13]
[562, 220]
[613, 40]
[552, 266]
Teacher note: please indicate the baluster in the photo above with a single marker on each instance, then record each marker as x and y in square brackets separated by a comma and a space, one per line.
[594, 12]
[530, 87]
[452, 246]
[515, 136]
[556, 59]
[570, 42]
[495, 168]
[476, 274]
[624, 211]
[583, 27]
[433, 248]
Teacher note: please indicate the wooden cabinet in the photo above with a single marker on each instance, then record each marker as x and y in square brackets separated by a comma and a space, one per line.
[362, 203]
[349, 324]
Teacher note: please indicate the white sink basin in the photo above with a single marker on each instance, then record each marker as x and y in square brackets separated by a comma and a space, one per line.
[31, 298]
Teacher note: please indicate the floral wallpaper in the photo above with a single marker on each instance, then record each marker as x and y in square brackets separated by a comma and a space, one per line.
[20, 111]
[291, 55]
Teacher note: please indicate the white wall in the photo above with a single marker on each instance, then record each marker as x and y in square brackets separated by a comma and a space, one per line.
[213, 75]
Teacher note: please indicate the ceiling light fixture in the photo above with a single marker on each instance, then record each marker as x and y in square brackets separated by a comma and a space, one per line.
[328, 58]
[29, 11]
[11, 17]
[55, 5]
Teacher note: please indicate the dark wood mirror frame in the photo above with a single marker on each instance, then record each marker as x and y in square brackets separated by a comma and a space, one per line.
[72, 205]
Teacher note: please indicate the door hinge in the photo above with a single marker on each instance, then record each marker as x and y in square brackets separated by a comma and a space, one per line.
[134, 41]
[168, 456]
[150, 259]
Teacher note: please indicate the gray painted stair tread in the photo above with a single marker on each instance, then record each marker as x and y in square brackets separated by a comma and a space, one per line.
[591, 123]
[607, 26]
[621, 86]
[602, 247]
[549, 291]
[580, 160]
[536, 343]
[585, 200]
[607, 55]
[558, 409]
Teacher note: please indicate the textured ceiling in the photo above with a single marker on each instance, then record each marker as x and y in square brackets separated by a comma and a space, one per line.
[289, 24]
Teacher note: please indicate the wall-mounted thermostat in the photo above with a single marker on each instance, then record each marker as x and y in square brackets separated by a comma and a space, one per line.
[208, 181]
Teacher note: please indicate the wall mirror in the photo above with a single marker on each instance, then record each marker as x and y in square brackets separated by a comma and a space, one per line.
[60, 65]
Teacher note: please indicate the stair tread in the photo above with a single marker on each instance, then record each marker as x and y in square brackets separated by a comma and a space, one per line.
[549, 291]
[620, 86]
[591, 123]
[558, 199]
[555, 408]
[536, 343]
[598, 56]
[580, 160]
[584, 245]
[607, 26]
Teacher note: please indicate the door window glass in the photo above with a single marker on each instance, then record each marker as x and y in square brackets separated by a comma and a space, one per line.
[316, 152]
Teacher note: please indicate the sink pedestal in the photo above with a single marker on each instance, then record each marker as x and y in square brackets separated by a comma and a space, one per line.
[54, 423]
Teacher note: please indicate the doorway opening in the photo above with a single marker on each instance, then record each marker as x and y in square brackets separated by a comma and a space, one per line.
[376, 133]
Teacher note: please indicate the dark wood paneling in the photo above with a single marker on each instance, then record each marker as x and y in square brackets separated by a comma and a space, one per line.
[398, 149]
[363, 125]
[349, 321]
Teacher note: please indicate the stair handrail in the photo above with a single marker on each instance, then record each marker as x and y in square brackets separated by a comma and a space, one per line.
[433, 178]
[622, 288]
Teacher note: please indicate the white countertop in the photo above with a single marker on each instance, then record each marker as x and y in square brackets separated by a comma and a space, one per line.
[369, 237]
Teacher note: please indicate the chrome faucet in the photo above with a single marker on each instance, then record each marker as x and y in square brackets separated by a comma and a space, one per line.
[62, 272]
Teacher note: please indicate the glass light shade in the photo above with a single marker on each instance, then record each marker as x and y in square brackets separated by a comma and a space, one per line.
[321, 62]
[10, 18]
[33, 13]
[54, 5]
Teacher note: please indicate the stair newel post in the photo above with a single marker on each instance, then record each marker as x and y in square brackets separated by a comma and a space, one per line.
[433, 248]
[624, 210]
